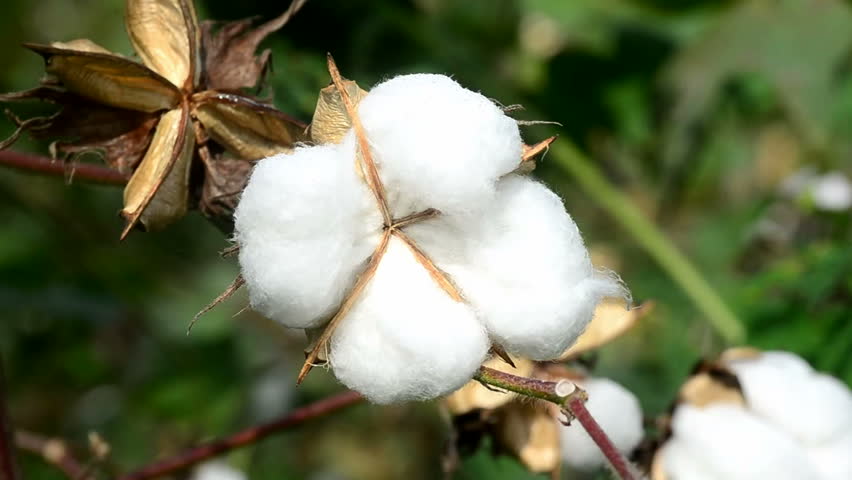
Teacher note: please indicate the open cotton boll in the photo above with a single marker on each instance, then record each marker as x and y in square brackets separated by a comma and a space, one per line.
[834, 459]
[305, 225]
[405, 338]
[523, 266]
[617, 411]
[680, 464]
[776, 384]
[733, 444]
[437, 144]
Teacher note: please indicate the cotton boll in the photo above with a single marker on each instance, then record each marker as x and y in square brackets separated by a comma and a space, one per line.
[523, 266]
[834, 459]
[788, 362]
[406, 339]
[617, 411]
[437, 144]
[680, 464]
[733, 444]
[305, 225]
[778, 384]
[216, 470]
[832, 192]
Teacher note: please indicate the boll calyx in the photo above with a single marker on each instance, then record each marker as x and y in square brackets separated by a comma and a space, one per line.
[420, 252]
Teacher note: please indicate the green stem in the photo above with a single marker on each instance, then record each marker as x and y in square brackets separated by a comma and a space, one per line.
[528, 387]
[570, 399]
[649, 237]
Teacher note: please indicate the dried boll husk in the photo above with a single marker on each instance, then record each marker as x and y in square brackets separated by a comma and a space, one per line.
[126, 111]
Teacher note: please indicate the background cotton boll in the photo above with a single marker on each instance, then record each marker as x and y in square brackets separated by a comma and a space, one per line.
[778, 384]
[305, 224]
[834, 459]
[736, 445]
[406, 339]
[832, 192]
[437, 144]
[523, 267]
[619, 414]
[217, 470]
[680, 464]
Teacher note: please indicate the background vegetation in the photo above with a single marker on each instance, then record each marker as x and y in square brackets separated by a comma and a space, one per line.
[698, 111]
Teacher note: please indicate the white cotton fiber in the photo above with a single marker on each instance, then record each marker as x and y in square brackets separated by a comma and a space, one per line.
[733, 444]
[523, 266]
[305, 225]
[618, 412]
[782, 388]
[834, 459]
[406, 339]
[437, 144]
[680, 464]
[217, 470]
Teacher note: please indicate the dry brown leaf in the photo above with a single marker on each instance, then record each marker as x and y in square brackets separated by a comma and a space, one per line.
[612, 319]
[157, 193]
[738, 353]
[529, 154]
[331, 122]
[120, 136]
[108, 79]
[225, 178]
[711, 387]
[658, 471]
[165, 35]
[247, 128]
[474, 396]
[531, 433]
[230, 62]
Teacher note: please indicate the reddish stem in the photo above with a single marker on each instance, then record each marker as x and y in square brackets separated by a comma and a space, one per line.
[245, 437]
[8, 466]
[616, 459]
[86, 172]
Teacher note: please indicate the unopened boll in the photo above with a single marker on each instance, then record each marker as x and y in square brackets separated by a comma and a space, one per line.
[617, 411]
[796, 424]
[307, 225]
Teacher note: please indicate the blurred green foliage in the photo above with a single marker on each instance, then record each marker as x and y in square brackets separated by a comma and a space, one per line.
[697, 110]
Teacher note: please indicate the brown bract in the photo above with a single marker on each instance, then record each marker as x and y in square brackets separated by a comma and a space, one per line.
[152, 120]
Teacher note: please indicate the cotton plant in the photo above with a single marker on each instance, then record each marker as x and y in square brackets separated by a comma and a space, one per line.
[770, 415]
[411, 247]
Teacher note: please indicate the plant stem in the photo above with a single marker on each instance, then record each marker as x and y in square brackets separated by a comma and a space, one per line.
[572, 403]
[86, 172]
[649, 237]
[616, 459]
[206, 451]
[8, 466]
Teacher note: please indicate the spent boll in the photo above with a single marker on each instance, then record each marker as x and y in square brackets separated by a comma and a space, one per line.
[415, 245]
